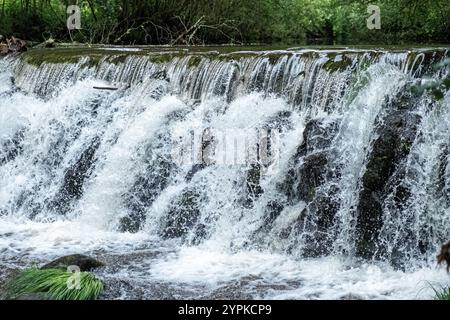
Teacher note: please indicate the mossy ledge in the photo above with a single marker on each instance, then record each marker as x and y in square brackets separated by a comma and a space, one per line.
[159, 55]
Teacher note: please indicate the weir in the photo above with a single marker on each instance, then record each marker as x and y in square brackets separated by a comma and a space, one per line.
[357, 161]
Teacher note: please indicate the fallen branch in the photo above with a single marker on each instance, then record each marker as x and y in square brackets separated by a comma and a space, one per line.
[106, 88]
[192, 29]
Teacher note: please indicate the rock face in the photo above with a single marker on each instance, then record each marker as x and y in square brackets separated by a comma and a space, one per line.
[85, 263]
[396, 134]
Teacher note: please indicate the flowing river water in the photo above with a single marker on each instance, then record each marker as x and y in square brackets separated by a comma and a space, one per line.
[294, 174]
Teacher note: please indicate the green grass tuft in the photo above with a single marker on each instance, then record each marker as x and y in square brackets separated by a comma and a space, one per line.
[54, 284]
[442, 293]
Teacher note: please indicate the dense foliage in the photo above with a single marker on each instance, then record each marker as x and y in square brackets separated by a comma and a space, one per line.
[228, 21]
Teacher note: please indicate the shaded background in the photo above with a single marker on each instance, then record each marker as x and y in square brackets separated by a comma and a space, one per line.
[229, 21]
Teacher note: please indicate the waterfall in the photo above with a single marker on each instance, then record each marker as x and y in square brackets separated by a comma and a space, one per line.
[304, 155]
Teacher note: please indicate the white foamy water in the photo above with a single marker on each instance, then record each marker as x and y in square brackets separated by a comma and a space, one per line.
[326, 278]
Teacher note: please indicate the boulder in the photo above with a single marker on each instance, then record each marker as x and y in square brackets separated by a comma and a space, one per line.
[85, 263]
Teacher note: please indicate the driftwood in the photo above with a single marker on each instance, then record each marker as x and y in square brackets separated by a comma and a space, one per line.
[106, 88]
[13, 45]
[445, 255]
[112, 88]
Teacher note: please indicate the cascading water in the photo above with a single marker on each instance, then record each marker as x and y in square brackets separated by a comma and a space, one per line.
[340, 189]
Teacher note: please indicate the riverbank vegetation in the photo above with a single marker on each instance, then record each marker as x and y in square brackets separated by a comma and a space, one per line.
[52, 284]
[188, 22]
[442, 293]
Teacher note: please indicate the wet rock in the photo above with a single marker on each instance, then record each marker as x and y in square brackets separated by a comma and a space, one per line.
[6, 275]
[132, 222]
[182, 216]
[85, 263]
[34, 297]
[74, 178]
[272, 212]
[312, 231]
[443, 189]
[309, 166]
[351, 296]
[302, 180]
[396, 134]
[231, 291]
[195, 169]
[11, 148]
[144, 192]
[254, 189]
[306, 182]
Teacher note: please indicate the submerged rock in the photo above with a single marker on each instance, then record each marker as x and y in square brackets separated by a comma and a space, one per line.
[396, 134]
[85, 263]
